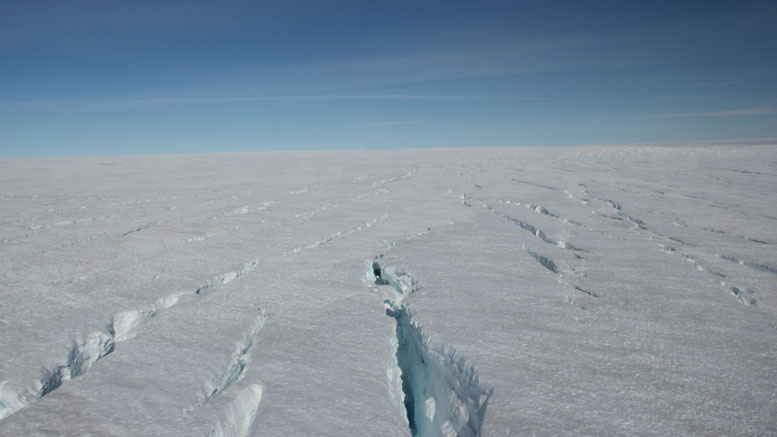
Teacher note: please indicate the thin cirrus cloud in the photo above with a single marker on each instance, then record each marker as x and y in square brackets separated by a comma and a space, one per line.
[726, 113]
[98, 104]
[478, 61]
[387, 123]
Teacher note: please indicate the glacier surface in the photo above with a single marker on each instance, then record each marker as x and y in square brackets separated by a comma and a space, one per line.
[599, 290]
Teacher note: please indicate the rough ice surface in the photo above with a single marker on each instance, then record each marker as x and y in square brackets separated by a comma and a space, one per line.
[620, 290]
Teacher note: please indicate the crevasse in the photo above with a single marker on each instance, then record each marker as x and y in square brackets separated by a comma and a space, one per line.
[441, 393]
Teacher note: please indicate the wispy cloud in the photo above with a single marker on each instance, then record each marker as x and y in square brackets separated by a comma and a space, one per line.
[479, 60]
[726, 113]
[123, 103]
[387, 123]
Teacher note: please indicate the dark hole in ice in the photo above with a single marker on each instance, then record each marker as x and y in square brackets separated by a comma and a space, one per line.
[378, 273]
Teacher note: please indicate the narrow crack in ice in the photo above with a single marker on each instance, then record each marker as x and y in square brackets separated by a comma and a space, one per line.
[547, 187]
[87, 349]
[540, 210]
[543, 260]
[566, 277]
[380, 185]
[337, 235]
[752, 265]
[233, 373]
[137, 229]
[563, 278]
[639, 225]
[537, 232]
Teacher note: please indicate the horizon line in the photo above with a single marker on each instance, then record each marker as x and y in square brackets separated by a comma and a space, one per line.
[719, 142]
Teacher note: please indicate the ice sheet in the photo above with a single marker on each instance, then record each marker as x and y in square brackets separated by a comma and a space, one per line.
[547, 291]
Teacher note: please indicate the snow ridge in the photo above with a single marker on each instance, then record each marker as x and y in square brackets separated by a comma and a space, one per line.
[380, 185]
[438, 391]
[239, 415]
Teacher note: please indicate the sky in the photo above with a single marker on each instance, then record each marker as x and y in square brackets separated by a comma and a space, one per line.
[116, 77]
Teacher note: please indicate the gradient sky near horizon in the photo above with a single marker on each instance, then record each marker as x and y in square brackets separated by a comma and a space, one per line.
[116, 77]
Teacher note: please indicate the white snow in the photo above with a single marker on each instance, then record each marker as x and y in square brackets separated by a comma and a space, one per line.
[620, 290]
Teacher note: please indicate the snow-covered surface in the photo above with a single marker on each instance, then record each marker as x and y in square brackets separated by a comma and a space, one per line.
[515, 291]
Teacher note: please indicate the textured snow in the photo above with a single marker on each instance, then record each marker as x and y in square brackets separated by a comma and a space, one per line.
[624, 290]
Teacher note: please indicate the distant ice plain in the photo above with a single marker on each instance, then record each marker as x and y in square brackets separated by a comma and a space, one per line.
[613, 290]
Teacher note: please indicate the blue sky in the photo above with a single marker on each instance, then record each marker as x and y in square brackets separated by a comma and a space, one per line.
[117, 77]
